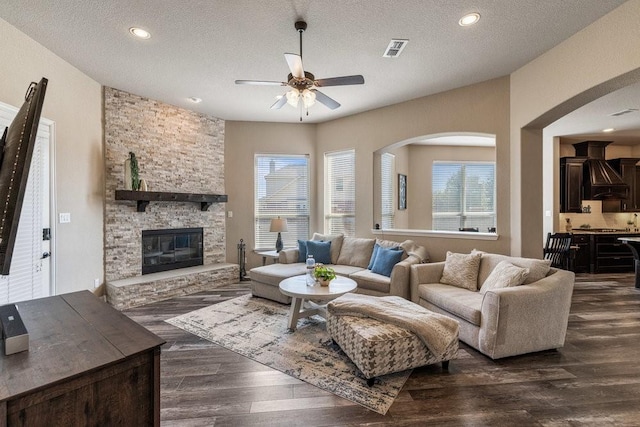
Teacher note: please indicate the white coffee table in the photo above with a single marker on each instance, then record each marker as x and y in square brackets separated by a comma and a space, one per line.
[301, 294]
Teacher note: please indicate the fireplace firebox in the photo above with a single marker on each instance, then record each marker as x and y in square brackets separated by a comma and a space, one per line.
[171, 249]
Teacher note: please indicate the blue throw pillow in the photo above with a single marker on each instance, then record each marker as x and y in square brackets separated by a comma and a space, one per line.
[321, 251]
[385, 260]
[375, 252]
[373, 256]
[302, 250]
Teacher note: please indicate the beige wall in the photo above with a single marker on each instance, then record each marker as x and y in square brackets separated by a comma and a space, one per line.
[602, 57]
[73, 101]
[402, 217]
[479, 108]
[242, 141]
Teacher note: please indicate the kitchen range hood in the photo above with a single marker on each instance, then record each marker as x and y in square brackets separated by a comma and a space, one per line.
[600, 180]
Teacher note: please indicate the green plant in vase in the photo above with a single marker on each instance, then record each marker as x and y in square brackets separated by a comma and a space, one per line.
[324, 274]
[135, 177]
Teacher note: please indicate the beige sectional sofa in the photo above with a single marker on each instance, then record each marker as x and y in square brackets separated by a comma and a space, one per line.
[350, 257]
[503, 321]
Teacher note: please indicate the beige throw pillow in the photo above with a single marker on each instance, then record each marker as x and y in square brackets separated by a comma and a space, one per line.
[504, 275]
[356, 251]
[538, 268]
[461, 270]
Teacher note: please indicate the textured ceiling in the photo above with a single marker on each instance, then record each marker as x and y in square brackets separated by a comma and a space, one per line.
[199, 47]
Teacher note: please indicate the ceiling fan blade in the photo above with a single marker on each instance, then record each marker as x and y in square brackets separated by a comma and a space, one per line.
[260, 83]
[295, 65]
[324, 99]
[340, 81]
[279, 103]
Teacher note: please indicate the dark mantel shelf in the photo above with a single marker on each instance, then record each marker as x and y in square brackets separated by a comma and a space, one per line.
[144, 197]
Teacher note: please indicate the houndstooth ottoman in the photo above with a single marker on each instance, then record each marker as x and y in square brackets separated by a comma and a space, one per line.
[379, 348]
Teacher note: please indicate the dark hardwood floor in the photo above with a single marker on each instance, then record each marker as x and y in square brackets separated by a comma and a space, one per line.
[594, 380]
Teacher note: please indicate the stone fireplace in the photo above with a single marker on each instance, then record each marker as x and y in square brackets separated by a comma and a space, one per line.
[177, 151]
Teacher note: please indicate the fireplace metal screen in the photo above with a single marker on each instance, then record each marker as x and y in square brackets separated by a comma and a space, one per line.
[171, 249]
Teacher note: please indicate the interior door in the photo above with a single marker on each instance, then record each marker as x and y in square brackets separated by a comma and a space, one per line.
[30, 273]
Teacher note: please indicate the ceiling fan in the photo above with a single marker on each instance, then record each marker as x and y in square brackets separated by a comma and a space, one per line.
[304, 86]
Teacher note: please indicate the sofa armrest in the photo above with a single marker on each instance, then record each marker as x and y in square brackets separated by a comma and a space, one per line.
[400, 277]
[424, 273]
[526, 318]
[288, 256]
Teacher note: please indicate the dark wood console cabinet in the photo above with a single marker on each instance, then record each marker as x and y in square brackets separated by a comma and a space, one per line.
[87, 364]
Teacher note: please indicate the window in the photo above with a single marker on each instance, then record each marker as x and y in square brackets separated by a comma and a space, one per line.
[340, 193]
[281, 189]
[463, 195]
[387, 164]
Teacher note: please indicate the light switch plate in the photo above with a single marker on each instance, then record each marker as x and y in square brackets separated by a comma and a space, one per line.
[65, 217]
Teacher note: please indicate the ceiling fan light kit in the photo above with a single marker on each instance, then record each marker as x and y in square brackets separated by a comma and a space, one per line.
[304, 85]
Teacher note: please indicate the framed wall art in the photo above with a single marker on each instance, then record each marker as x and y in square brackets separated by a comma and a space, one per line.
[402, 192]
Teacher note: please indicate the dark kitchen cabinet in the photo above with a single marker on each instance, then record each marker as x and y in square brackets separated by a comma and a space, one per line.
[626, 167]
[571, 183]
[611, 255]
[582, 254]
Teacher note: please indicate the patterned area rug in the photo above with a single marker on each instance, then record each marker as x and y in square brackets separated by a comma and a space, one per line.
[257, 328]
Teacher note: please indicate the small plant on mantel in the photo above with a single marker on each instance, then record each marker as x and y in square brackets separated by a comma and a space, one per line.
[324, 274]
[135, 177]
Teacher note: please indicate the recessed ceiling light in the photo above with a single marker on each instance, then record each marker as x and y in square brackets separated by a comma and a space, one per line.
[469, 19]
[140, 33]
[195, 100]
[608, 130]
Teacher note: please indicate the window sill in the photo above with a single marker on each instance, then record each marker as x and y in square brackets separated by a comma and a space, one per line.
[440, 234]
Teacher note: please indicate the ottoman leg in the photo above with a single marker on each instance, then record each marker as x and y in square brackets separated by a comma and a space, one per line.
[445, 365]
[371, 381]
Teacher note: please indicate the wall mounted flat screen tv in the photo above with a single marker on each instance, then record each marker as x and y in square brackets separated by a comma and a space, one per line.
[16, 150]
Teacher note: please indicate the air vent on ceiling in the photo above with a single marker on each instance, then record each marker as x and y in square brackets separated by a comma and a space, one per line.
[396, 46]
[626, 111]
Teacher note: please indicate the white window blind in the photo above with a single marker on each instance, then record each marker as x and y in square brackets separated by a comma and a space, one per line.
[387, 171]
[340, 193]
[281, 190]
[463, 195]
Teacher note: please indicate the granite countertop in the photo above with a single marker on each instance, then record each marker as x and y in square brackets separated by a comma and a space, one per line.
[596, 231]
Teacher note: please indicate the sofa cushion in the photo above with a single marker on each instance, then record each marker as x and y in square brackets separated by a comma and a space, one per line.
[302, 250]
[386, 259]
[461, 270]
[356, 251]
[346, 270]
[460, 302]
[336, 244]
[321, 251]
[371, 281]
[538, 268]
[273, 274]
[505, 275]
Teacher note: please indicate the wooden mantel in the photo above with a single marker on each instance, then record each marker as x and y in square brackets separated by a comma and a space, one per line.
[144, 197]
